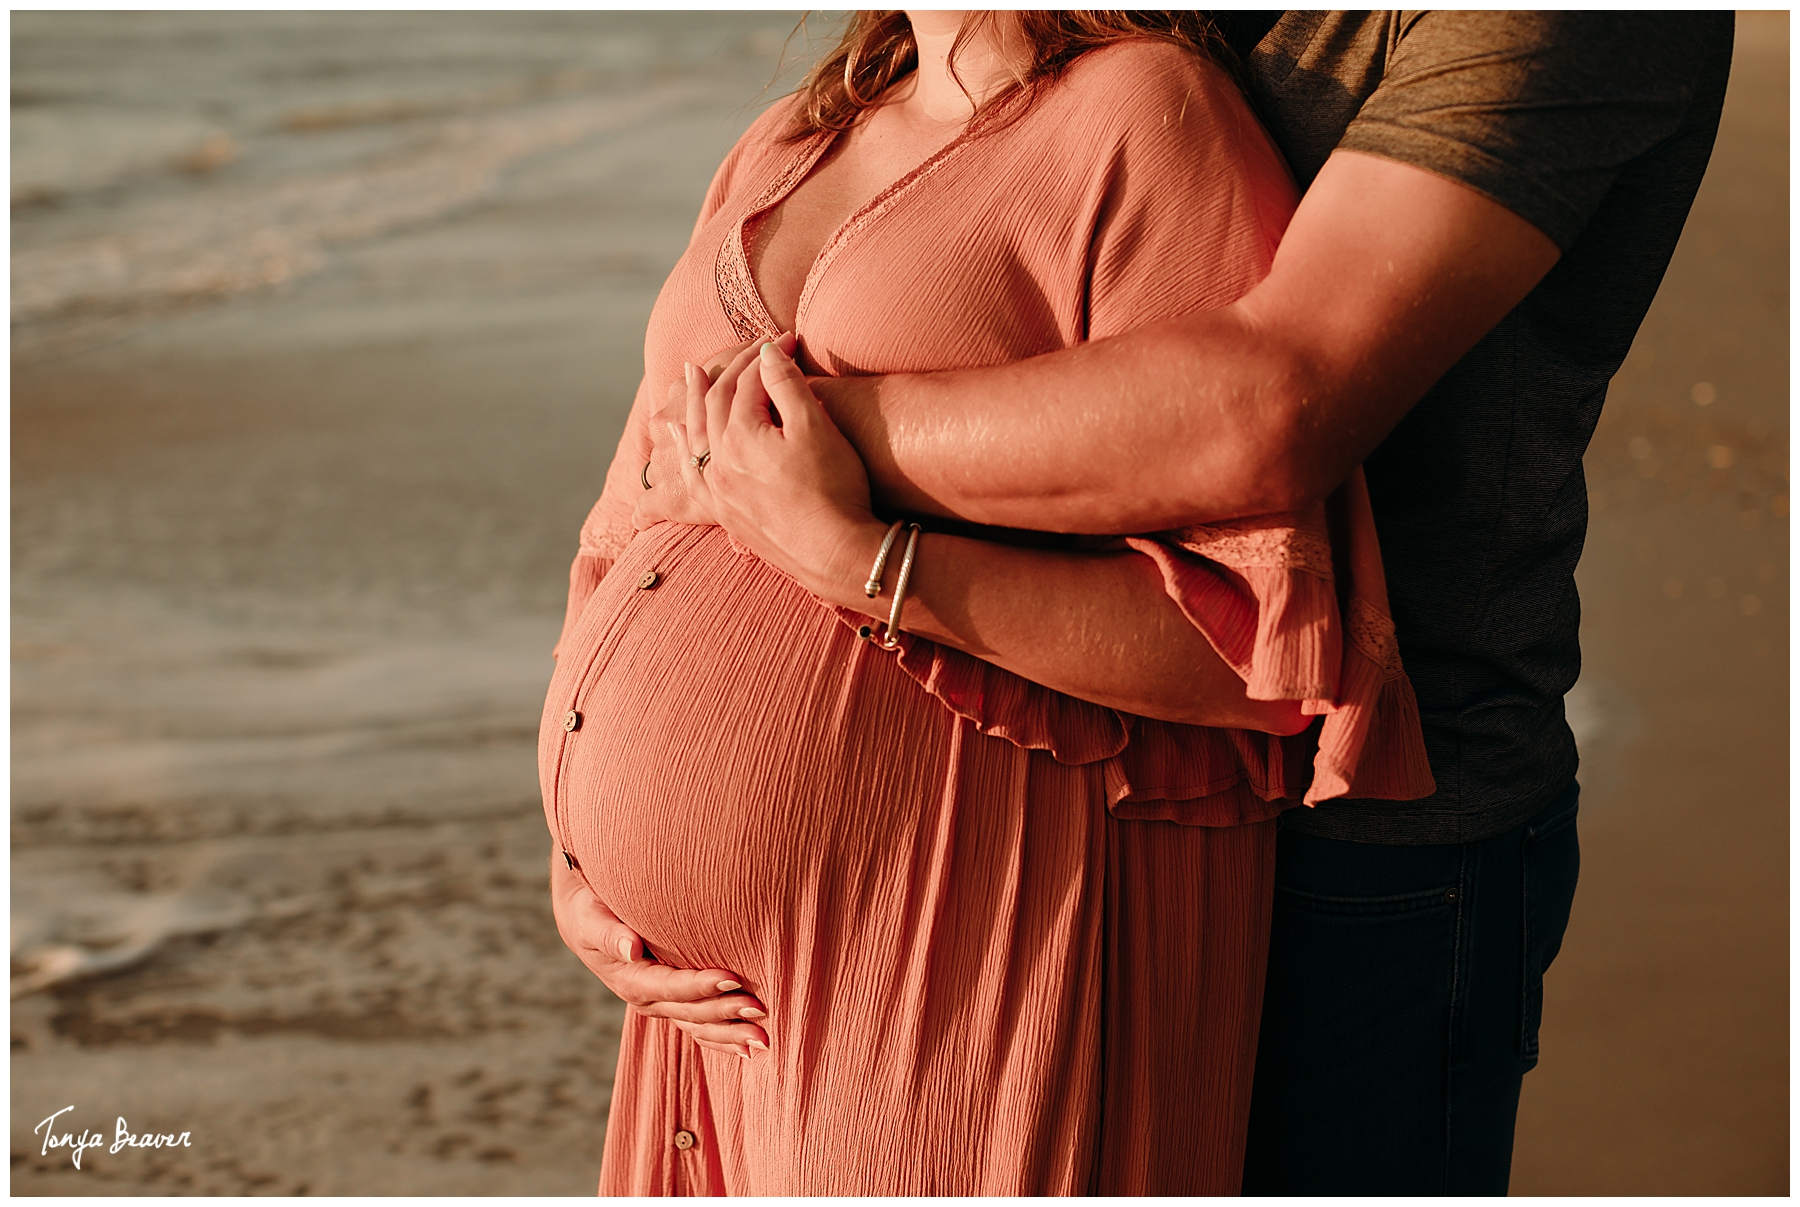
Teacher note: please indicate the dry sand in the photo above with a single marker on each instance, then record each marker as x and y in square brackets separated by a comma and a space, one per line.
[286, 569]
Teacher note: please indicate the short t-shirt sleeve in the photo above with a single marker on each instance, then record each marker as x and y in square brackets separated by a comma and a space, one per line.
[1538, 110]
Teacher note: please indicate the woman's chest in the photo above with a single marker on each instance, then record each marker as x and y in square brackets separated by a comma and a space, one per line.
[957, 264]
[784, 241]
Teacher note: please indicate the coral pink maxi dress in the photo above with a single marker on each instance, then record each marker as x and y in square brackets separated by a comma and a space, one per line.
[1010, 942]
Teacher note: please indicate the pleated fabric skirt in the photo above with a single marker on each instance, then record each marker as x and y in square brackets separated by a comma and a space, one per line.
[979, 980]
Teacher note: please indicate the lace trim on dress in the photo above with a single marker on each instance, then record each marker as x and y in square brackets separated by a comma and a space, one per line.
[1271, 548]
[738, 295]
[606, 543]
[1374, 635]
[888, 196]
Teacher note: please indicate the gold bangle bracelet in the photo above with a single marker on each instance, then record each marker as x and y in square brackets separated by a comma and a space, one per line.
[891, 640]
[872, 588]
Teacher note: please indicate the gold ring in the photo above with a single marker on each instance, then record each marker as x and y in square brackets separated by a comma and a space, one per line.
[644, 475]
[699, 460]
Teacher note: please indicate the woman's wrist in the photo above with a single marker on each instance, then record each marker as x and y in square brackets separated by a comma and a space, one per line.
[848, 554]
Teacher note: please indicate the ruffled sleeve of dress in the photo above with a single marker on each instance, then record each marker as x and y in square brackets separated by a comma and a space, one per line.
[1003, 705]
[1296, 604]
[1157, 770]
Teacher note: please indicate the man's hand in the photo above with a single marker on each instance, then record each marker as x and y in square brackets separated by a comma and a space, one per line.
[1386, 277]
[709, 1004]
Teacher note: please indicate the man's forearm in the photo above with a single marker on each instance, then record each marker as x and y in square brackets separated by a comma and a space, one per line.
[1172, 425]
[1386, 276]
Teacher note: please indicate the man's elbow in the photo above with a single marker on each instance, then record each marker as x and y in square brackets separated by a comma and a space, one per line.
[1283, 485]
[1307, 435]
[1290, 462]
[1277, 431]
[1319, 409]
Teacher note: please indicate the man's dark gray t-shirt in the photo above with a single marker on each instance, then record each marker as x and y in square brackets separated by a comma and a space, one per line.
[1596, 128]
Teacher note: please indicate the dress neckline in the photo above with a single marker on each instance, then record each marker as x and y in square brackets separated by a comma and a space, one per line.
[739, 294]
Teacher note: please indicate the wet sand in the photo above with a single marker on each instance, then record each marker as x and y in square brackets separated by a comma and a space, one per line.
[287, 567]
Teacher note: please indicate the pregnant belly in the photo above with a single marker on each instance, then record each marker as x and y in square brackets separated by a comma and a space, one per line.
[742, 761]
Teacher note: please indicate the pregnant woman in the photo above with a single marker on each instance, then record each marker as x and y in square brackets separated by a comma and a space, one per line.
[992, 886]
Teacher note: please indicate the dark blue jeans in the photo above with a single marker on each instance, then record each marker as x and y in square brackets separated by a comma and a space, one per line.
[1405, 988]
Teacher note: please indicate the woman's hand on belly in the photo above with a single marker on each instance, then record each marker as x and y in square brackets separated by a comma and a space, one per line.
[707, 1003]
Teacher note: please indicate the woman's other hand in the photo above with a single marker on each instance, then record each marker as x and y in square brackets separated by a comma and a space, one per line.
[783, 480]
[668, 497]
[708, 1004]
[672, 495]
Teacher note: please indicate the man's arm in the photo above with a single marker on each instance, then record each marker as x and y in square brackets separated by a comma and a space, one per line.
[1386, 276]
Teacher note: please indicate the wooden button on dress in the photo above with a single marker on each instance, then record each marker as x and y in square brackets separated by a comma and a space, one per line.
[648, 580]
[684, 1140]
[572, 721]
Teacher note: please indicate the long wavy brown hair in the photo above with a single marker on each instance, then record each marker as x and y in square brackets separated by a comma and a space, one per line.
[877, 48]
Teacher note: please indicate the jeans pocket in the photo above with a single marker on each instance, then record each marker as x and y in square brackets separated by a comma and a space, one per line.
[1375, 910]
[1552, 863]
[1363, 968]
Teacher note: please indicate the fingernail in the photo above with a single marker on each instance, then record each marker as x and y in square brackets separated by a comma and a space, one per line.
[758, 1045]
[728, 986]
[772, 354]
[751, 1012]
[625, 950]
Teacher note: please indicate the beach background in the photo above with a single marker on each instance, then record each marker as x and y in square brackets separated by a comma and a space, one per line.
[323, 328]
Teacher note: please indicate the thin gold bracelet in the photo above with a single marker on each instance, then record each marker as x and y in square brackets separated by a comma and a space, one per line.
[872, 588]
[890, 640]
